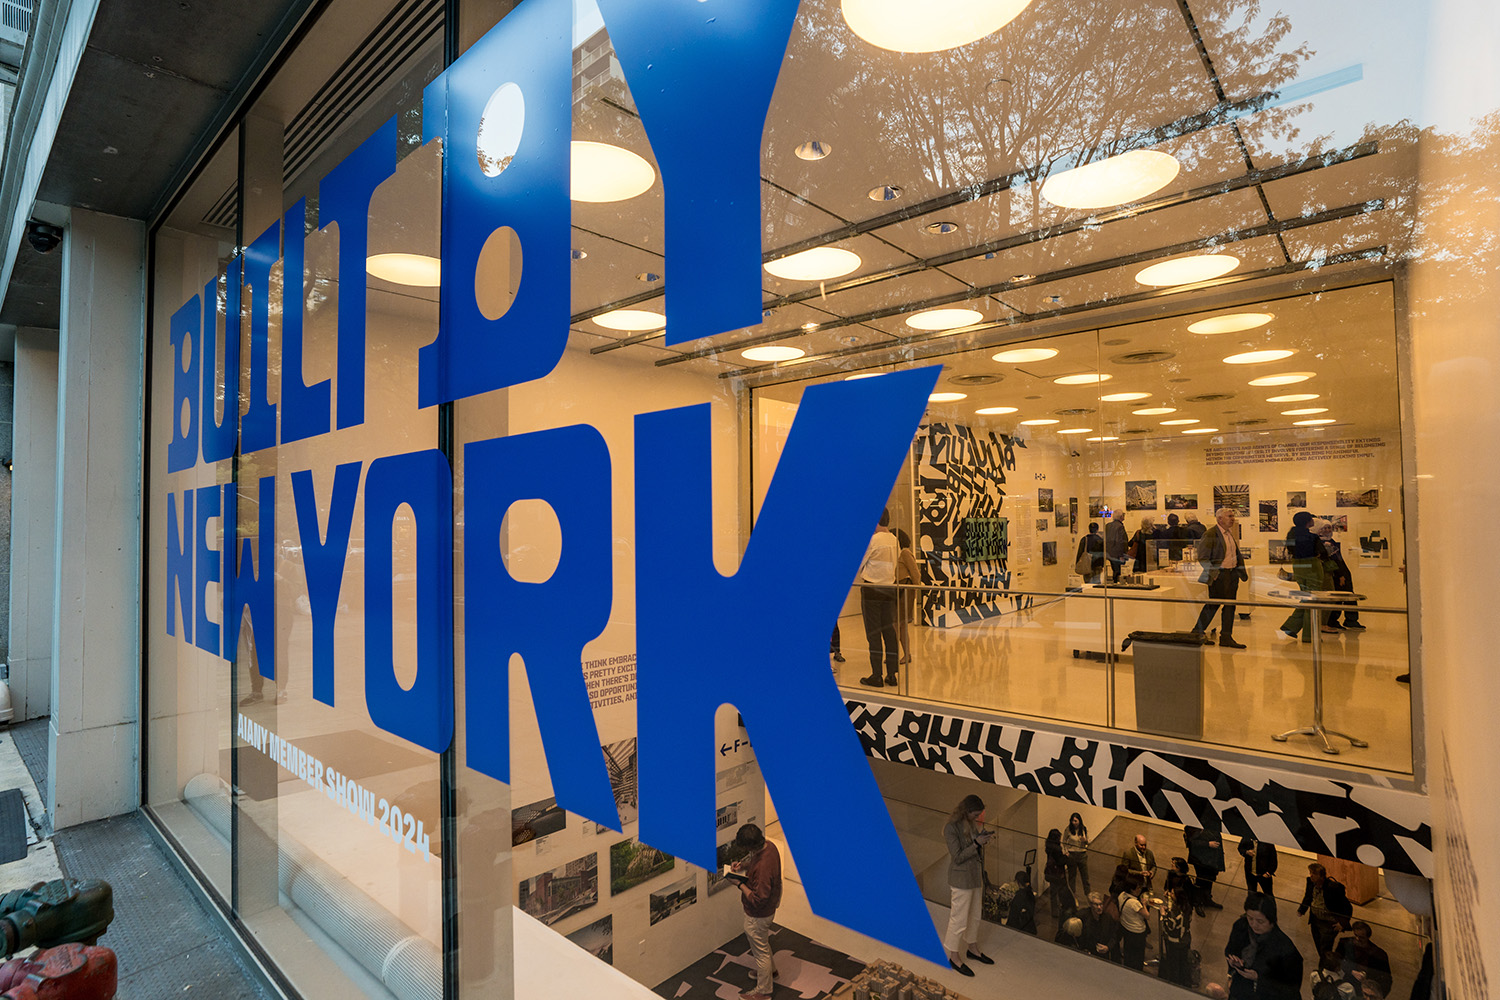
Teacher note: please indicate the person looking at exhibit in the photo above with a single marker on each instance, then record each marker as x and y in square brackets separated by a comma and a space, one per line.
[1339, 578]
[760, 895]
[1305, 550]
[906, 597]
[1133, 924]
[1327, 907]
[1089, 563]
[877, 602]
[965, 837]
[1219, 553]
[1140, 542]
[1177, 535]
[1115, 543]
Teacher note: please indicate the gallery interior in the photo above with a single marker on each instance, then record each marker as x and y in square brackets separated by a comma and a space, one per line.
[1172, 265]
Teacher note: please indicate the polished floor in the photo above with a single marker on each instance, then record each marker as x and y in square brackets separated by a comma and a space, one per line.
[1034, 662]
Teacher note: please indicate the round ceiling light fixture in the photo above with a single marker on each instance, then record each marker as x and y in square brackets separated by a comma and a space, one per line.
[1180, 422]
[1187, 270]
[817, 264]
[1305, 411]
[603, 173]
[413, 269]
[813, 149]
[947, 397]
[1021, 355]
[1285, 378]
[1231, 323]
[1124, 397]
[1105, 438]
[631, 320]
[1257, 357]
[860, 375]
[1077, 430]
[772, 352]
[944, 319]
[995, 411]
[1118, 180]
[1040, 422]
[1154, 411]
[886, 192]
[940, 228]
[902, 26]
[1092, 378]
[1314, 423]
[1201, 430]
[1295, 397]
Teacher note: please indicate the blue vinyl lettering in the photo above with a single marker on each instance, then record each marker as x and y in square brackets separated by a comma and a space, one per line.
[206, 562]
[258, 425]
[323, 561]
[180, 565]
[249, 583]
[187, 353]
[221, 433]
[304, 408]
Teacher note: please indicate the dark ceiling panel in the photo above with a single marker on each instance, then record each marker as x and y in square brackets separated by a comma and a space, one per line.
[34, 297]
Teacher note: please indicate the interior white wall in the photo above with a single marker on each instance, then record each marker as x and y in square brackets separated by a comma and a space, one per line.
[33, 521]
[93, 763]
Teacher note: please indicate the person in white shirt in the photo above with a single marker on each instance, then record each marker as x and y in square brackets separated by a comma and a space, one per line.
[1219, 552]
[877, 603]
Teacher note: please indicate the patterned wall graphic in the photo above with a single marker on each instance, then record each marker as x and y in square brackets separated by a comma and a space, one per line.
[1377, 826]
[961, 474]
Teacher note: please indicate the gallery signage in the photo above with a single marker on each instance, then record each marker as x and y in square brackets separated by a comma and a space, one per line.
[702, 79]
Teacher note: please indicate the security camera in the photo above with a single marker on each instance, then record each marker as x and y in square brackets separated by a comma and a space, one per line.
[43, 236]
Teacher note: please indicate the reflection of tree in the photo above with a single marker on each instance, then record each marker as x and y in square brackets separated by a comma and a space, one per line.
[1055, 84]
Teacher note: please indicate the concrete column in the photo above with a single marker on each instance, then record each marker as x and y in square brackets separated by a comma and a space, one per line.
[94, 766]
[33, 556]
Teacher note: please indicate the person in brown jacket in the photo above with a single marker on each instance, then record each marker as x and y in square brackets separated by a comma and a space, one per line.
[760, 894]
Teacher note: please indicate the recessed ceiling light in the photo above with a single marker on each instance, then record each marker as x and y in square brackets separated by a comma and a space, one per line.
[1305, 412]
[1124, 397]
[1022, 278]
[1296, 397]
[860, 375]
[813, 150]
[1286, 378]
[816, 264]
[940, 228]
[649, 277]
[1231, 323]
[1092, 378]
[601, 172]
[1257, 357]
[1179, 422]
[772, 352]
[943, 319]
[1201, 430]
[1118, 180]
[1108, 437]
[1314, 423]
[947, 397]
[632, 320]
[1154, 411]
[902, 26]
[1077, 430]
[1023, 354]
[580, 254]
[886, 192]
[406, 269]
[1187, 270]
[1043, 422]
[994, 411]
[809, 327]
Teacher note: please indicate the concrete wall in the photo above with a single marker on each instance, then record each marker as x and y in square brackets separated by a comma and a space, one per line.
[94, 765]
[33, 516]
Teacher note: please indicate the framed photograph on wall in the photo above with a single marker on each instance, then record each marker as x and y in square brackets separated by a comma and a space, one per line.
[1296, 499]
[1096, 507]
[1268, 518]
[1073, 514]
[1236, 498]
[1041, 524]
[1049, 553]
[1140, 494]
[1357, 498]
[1182, 501]
[1375, 544]
[1044, 501]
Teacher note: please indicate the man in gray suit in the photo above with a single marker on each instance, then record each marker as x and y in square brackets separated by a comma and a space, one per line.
[1219, 552]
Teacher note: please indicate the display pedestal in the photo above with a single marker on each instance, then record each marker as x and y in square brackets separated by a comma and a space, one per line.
[1361, 882]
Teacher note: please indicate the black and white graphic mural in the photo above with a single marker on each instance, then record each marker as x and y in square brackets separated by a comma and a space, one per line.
[960, 478]
[1385, 827]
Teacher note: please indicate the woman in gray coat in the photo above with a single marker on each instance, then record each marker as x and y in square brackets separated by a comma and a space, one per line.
[966, 836]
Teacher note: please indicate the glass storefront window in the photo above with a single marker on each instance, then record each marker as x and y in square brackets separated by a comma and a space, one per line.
[1147, 264]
